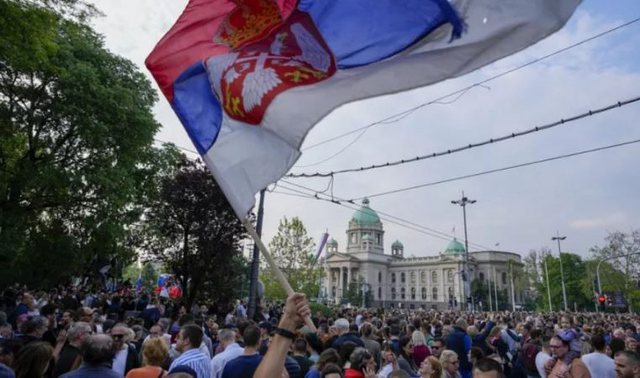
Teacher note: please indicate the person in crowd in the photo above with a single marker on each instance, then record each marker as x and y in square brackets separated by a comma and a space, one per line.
[450, 364]
[188, 344]
[475, 354]
[326, 357]
[70, 357]
[97, 355]
[437, 346]
[32, 361]
[154, 355]
[245, 365]
[33, 328]
[479, 339]
[6, 358]
[460, 342]
[345, 335]
[565, 361]
[543, 356]
[362, 364]
[599, 364]
[487, 368]
[420, 348]
[300, 355]
[430, 368]
[366, 330]
[314, 347]
[627, 364]
[405, 358]
[126, 357]
[331, 371]
[231, 350]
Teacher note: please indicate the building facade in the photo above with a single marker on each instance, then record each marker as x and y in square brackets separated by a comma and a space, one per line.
[415, 282]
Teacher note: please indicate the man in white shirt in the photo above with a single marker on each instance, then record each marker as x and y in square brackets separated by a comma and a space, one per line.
[598, 363]
[231, 350]
[543, 356]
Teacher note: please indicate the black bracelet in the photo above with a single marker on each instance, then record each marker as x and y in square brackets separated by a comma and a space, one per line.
[284, 333]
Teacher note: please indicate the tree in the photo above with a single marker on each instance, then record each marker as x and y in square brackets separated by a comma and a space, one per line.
[76, 134]
[192, 229]
[292, 250]
[359, 293]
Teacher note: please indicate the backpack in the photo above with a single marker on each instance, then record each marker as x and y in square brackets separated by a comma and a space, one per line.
[529, 353]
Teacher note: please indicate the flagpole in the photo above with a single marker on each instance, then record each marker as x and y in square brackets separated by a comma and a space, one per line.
[274, 268]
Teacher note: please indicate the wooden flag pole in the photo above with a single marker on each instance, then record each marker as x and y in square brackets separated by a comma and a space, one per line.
[274, 268]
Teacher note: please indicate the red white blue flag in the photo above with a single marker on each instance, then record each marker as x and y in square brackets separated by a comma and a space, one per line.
[249, 78]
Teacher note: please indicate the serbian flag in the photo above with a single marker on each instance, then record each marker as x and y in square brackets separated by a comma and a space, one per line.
[249, 78]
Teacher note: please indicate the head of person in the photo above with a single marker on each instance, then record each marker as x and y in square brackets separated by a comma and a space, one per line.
[627, 364]
[328, 356]
[437, 346]
[33, 360]
[559, 347]
[342, 325]
[35, 326]
[406, 346]
[8, 348]
[616, 345]
[631, 344]
[361, 359]
[190, 337]
[226, 337]
[182, 371]
[431, 366]
[155, 352]
[450, 362]
[251, 336]
[67, 318]
[85, 314]
[345, 351]
[313, 342]
[487, 368]
[120, 335]
[619, 333]
[156, 331]
[398, 373]
[461, 323]
[78, 332]
[28, 300]
[418, 338]
[331, 371]
[366, 329]
[475, 354]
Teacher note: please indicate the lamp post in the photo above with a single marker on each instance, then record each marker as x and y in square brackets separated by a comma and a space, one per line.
[564, 291]
[463, 202]
[546, 272]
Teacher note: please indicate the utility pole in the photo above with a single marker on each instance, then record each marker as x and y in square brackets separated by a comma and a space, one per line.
[564, 290]
[548, 285]
[467, 276]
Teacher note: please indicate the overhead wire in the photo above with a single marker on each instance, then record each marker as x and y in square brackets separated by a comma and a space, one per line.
[396, 117]
[450, 151]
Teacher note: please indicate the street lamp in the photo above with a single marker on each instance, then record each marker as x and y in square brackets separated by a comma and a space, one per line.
[463, 202]
[564, 291]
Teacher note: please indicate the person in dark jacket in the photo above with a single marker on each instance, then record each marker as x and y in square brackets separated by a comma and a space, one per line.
[460, 342]
[479, 339]
[345, 335]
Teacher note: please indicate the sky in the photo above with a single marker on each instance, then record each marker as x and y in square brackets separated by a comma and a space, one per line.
[582, 197]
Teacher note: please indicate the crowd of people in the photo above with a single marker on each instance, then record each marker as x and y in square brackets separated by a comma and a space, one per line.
[72, 334]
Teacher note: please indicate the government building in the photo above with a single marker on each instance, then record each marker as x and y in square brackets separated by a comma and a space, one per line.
[398, 281]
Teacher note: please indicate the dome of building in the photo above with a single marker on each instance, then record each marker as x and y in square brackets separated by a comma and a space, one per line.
[397, 244]
[333, 242]
[365, 216]
[454, 248]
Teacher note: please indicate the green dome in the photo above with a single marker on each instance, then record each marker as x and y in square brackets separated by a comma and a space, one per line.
[397, 244]
[366, 216]
[333, 242]
[454, 248]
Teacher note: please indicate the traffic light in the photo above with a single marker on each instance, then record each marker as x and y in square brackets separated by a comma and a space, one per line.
[602, 299]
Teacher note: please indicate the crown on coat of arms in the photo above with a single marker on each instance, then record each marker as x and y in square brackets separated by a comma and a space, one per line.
[250, 21]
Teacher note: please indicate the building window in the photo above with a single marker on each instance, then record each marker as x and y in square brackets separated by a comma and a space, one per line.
[379, 276]
[354, 238]
[424, 293]
[402, 278]
[434, 276]
[393, 278]
[434, 294]
[378, 239]
[504, 278]
[379, 293]
[481, 276]
[423, 277]
[402, 293]
[413, 293]
[450, 275]
[393, 293]
[450, 291]
[413, 277]
[333, 292]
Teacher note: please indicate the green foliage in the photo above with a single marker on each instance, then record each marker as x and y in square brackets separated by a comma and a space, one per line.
[191, 228]
[319, 307]
[76, 134]
[292, 250]
[355, 294]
